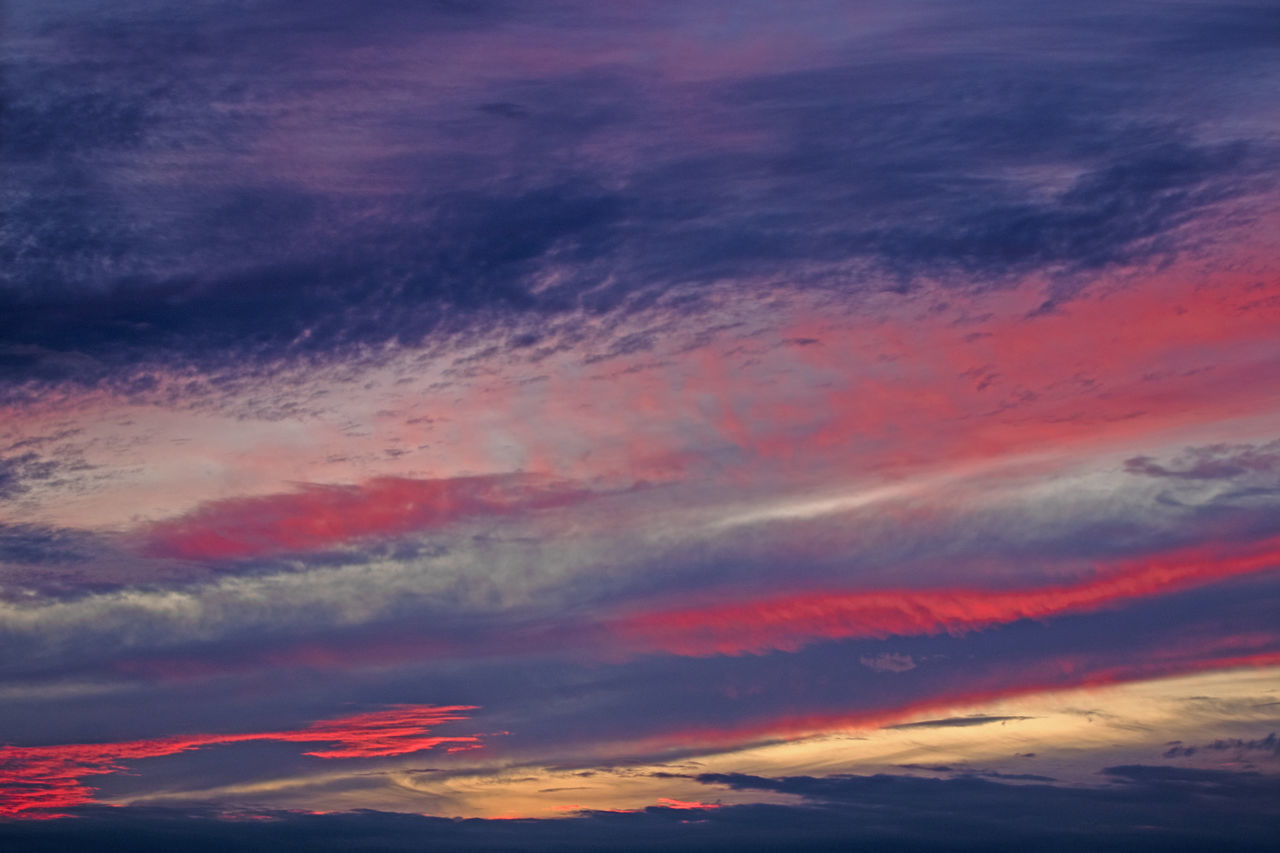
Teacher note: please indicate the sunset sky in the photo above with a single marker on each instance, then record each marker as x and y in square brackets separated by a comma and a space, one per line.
[652, 425]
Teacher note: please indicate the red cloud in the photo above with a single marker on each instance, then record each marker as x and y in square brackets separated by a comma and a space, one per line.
[319, 516]
[669, 803]
[788, 622]
[35, 781]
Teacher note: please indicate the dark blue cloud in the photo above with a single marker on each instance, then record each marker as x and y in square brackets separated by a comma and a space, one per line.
[1269, 744]
[955, 722]
[1144, 809]
[35, 544]
[1214, 462]
[151, 226]
[18, 472]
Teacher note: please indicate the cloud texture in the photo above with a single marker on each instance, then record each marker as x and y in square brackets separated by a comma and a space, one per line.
[693, 425]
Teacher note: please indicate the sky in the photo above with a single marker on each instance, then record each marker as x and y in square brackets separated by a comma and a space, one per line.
[694, 425]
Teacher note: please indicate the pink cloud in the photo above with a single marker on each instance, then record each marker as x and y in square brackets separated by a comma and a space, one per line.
[320, 516]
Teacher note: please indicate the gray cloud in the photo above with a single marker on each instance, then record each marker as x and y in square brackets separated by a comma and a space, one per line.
[956, 722]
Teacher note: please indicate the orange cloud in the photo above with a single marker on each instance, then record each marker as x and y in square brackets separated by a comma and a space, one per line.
[668, 802]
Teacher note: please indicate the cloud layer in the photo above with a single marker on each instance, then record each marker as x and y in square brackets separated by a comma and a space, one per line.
[771, 427]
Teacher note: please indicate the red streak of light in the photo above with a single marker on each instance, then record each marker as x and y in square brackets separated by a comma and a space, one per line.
[36, 780]
[683, 804]
[788, 622]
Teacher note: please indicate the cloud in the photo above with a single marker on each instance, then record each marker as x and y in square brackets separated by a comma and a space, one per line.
[1213, 462]
[790, 621]
[957, 722]
[17, 472]
[711, 720]
[1189, 783]
[291, 217]
[888, 662]
[36, 781]
[320, 516]
[42, 545]
[1268, 744]
[1144, 809]
[894, 289]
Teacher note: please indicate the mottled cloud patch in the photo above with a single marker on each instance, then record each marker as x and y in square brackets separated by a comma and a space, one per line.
[37, 544]
[18, 472]
[300, 213]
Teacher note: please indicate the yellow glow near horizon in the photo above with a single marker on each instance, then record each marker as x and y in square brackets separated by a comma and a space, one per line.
[1067, 735]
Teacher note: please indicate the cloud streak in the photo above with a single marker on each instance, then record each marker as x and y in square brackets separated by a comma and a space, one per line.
[789, 622]
[319, 516]
[36, 781]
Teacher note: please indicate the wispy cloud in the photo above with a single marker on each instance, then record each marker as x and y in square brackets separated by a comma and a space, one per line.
[35, 781]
